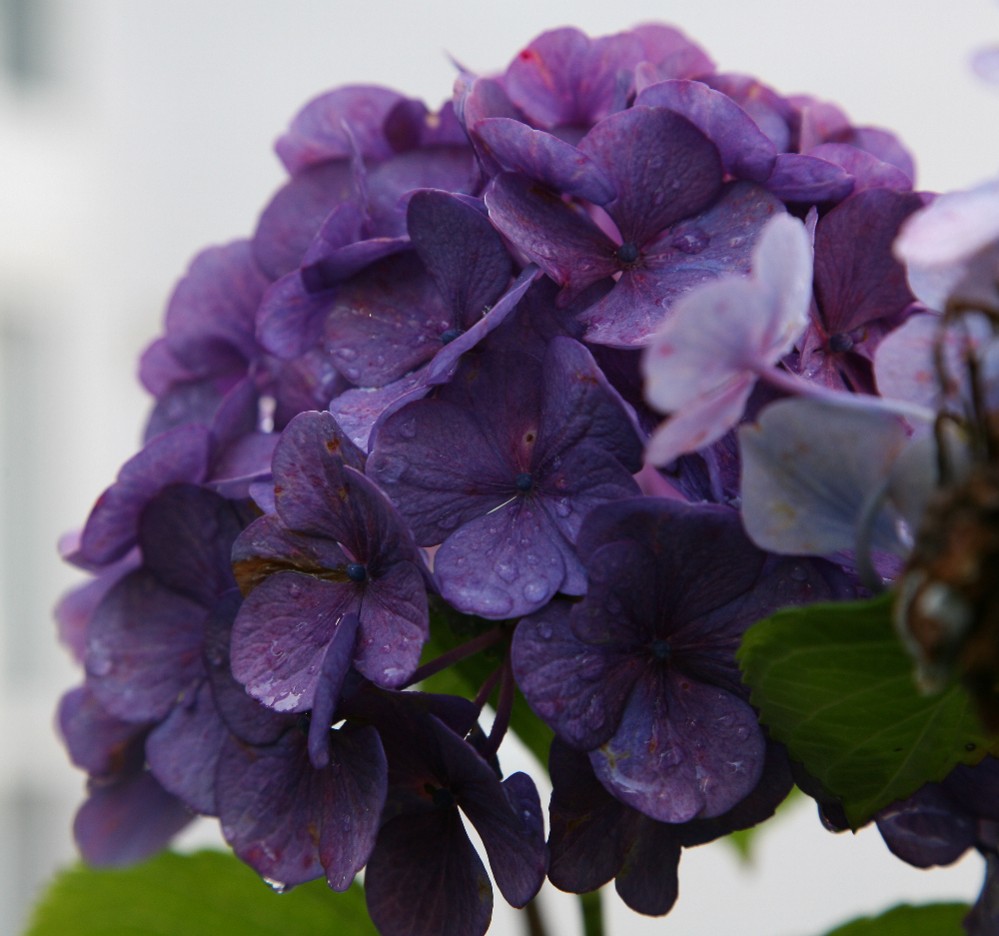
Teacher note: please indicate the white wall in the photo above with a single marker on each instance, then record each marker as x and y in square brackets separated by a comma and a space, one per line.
[143, 131]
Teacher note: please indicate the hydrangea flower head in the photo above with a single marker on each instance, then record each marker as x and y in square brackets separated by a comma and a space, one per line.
[407, 431]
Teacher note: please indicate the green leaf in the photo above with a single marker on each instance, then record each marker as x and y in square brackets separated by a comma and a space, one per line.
[906, 920]
[209, 893]
[834, 684]
[449, 629]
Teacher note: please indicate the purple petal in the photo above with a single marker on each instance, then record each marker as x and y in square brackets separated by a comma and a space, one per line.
[719, 241]
[385, 321]
[928, 828]
[461, 251]
[144, 648]
[558, 237]
[127, 821]
[332, 674]
[745, 151]
[175, 457]
[682, 750]
[578, 688]
[290, 821]
[564, 77]
[516, 147]
[97, 742]
[183, 750]
[662, 166]
[332, 125]
[310, 481]
[290, 319]
[273, 655]
[504, 564]
[294, 215]
[867, 170]
[808, 179]
[324, 267]
[424, 878]
[857, 279]
[186, 535]
[513, 831]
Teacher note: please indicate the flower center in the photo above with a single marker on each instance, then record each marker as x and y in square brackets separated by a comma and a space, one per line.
[627, 252]
[356, 572]
[524, 482]
[661, 650]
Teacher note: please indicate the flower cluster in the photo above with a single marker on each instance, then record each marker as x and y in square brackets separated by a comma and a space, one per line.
[425, 399]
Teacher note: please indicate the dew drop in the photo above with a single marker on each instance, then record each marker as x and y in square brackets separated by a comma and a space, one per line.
[798, 573]
[279, 887]
[407, 429]
[545, 631]
[345, 354]
[562, 507]
[294, 590]
[692, 241]
[535, 590]
[388, 468]
[506, 571]
[447, 521]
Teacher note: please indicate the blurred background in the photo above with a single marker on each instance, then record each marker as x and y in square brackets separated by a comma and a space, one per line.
[134, 132]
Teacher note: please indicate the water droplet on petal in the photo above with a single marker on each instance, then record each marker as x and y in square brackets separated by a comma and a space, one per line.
[407, 428]
[545, 631]
[279, 887]
[535, 590]
[691, 241]
[562, 507]
[798, 573]
[506, 571]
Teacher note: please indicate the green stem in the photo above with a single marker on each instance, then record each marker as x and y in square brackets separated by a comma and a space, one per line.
[534, 921]
[593, 917]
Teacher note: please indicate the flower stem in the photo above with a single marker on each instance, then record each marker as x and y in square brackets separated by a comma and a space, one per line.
[534, 922]
[456, 655]
[593, 916]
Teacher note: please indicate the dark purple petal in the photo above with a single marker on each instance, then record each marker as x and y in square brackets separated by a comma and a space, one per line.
[183, 749]
[292, 822]
[282, 634]
[435, 491]
[505, 564]
[513, 831]
[210, 316]
[559, 237]
[334, 124]
[385, 321]
[867, 170]
[294, 215]
[683, 750]
[127, 821]
[424, 878]
[144, 648]
[671, 53]
[186, 535]
[332, 674]
[769, 111]
[746, 152]
[717, 242]
[927, 829]
[267, 546]
[516, 147]
[590, 830]
[290, 319]
[857, 278]
[243, 715]
[578, 688]
[579, 405]
[159, 370]
[564, 77]
[175, 457]
[324, 267]
[808, 179]
[97, 742]
[662, 166]
[647, 880]
[311, 488]
[461, 251]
